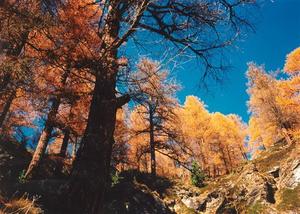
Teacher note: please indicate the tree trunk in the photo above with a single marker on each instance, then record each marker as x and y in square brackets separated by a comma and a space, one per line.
[91, 167]
[48, 129]
[243, 153]
[287, 136]
[7, 107]
[88, 180]
[74, 148]
[152, 141]
[229, 157]
[5, 82]
[44, 139]
[224, 160]
[64, 145]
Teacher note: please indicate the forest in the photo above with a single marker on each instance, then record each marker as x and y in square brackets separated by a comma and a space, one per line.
[87, 126]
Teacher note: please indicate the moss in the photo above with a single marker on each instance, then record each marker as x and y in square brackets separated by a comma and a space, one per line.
[185, 210]
[273, 157]
[256, 208]
[290, 199]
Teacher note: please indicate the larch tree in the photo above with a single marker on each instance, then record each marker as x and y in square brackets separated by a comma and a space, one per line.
[18, 20]
[58, 49]
[291, 88]
[266, 104]
[292, 63]
[214, 140]
[155, 92]
[193, 127]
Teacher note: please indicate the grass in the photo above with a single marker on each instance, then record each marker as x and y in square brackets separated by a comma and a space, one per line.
[271, 158]
[256, 208]
[290, 199]
[185, 210]
[22, 205]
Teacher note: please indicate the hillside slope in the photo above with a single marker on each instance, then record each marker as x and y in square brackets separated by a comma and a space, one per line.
[269, 184]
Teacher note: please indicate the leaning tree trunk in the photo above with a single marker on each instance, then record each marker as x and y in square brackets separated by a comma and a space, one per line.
[152, 142]
[44, 139]
[47, 131]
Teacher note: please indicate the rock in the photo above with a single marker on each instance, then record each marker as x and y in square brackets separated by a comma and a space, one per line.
[190, 202]
[275, 172]
[290, 177]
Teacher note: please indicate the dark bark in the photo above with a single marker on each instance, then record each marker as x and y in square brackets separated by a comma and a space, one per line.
[64, 145]
[5, 82]
[152, 141]
[7, 107]
[91, 167]
[89, 177]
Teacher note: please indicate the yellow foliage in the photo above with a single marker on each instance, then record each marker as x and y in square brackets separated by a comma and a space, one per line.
[292, 63]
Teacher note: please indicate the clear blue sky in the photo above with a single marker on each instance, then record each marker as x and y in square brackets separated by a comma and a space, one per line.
[277, 33]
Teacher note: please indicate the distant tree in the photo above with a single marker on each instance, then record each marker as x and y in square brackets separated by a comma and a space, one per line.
[266, 105]
[155, 92]
[197, 176]
[214, 140]
[292, 63]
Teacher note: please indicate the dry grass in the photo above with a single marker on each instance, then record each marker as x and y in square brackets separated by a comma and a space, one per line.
[23, 205]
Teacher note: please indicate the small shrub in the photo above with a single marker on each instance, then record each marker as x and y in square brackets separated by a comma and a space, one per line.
[115, 178]
[21, 177]
[197, 175]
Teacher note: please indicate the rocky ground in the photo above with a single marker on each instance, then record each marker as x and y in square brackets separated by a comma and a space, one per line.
[269, 184]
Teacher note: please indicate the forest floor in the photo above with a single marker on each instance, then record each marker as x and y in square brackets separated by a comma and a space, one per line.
[268, 184]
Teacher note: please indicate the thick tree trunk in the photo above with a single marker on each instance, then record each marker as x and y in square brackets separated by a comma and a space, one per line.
[64, 145]
[44, 139]
[7, 107]
[152, 142]
[88, 181]
[91, 166]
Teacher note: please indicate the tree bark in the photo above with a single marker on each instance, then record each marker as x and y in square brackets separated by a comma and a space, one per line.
[44, 139]
[91, 167]
[48, 129]
[7, 107]
[287, 136]
[224, 160]
[152, 141]
[64, 145]
[89, 178]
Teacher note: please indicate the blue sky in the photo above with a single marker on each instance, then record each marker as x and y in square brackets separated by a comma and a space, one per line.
[277, 33]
